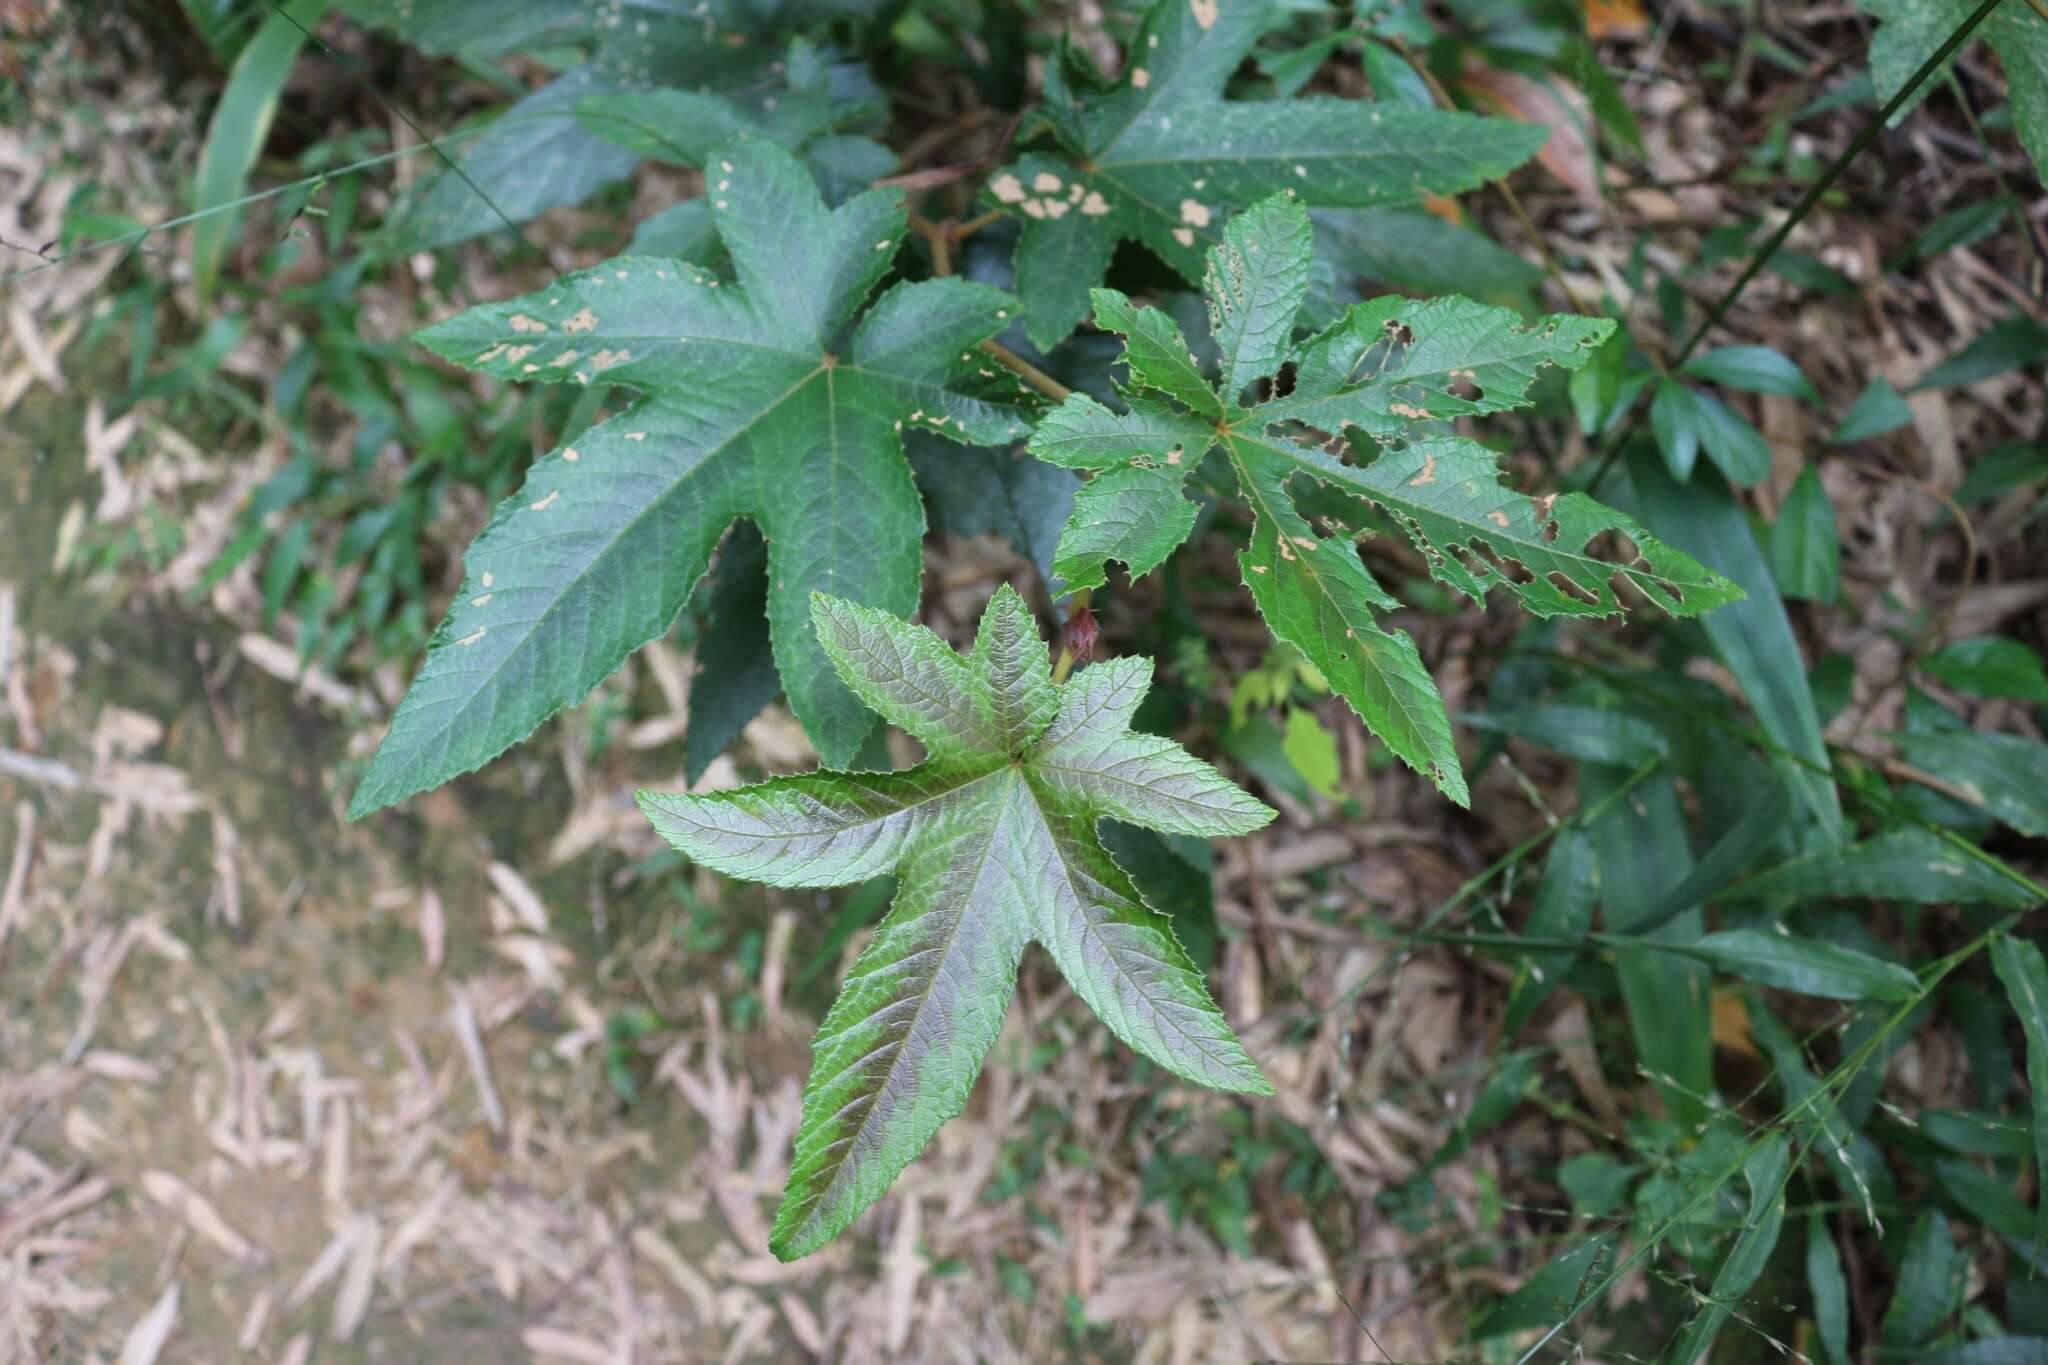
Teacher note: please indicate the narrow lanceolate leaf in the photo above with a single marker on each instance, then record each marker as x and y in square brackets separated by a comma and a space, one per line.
[1160, 157]
[994, 844]
[745, 411]
[1905, 865]
[2020, 966]
[237, 131]
[1766, 1171]
[1379, 372]
[1808, 966]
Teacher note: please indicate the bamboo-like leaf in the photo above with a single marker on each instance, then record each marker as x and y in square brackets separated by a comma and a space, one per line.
[2019, 965]
[993, 839]
[1808, 966]
[1766, 1172]
[237, 131]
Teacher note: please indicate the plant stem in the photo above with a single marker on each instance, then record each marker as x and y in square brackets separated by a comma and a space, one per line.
[1064, 665]
[1028, 372]
[1806, 204]
[1443, 98]
[977, 223]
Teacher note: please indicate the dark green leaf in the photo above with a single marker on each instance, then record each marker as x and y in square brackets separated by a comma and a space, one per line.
[1877, 410]
[993, 839]
[1753, 637]
[1905, 865]
[1551, 1294]
[1161, 158]
[1829, 1288]
[995, 492]
[735, 660]
[1807, 966]
[2000, 471]
[1758, 369]
[1958, 227]
[1676, 421]
[1990, 666]
[745, 413]
[501, 167]
[1642, 851]
[2000, 348]
[1806, 546]
[1591, 734]
[1930, 1284]
[1765, 1171]
[2007, 774]
[1761, 827]
[1410, 249]
[2019, 965]
[1735, 446]
[1563, 909]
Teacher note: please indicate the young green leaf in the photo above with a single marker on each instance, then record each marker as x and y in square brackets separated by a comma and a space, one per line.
[1160, 157]
[994, 840]
[754, 404]
[1379, 371]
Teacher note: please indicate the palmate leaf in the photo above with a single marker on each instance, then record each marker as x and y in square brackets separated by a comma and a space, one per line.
[1381, 369]
[993, 839]
[761, 398]
[1160, 157]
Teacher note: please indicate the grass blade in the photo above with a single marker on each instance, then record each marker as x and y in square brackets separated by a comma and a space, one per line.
[1753, 636]
[237, 132]
[2019, 965]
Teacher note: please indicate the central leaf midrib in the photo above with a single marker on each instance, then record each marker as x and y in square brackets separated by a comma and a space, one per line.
[1416, 721]
[1336, 471]
[1091, 928]
[845, 1165]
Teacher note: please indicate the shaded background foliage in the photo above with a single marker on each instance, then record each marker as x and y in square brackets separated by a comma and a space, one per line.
[1626, 1059]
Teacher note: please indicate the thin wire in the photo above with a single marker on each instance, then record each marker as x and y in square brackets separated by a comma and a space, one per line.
[143, 234]
[277, 8]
